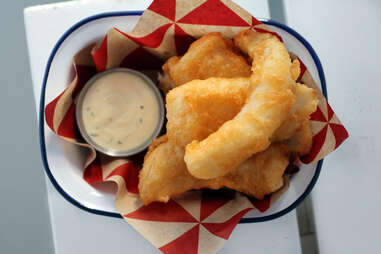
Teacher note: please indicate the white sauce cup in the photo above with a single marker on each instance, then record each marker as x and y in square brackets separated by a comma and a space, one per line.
[112, 151]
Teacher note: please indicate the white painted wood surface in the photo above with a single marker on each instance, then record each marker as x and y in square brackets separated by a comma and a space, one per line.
[346, 200]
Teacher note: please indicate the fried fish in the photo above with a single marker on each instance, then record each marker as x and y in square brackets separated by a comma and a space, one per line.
[210, 56]
[269, 100]
[164, 173]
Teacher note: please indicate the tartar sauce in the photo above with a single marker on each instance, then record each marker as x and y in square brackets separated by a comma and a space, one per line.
[120, 111]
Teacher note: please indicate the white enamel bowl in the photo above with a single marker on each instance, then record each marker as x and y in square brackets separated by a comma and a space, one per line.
[64, 162]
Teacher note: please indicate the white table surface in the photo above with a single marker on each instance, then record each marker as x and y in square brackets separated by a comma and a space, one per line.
[346, 199]
[77, 231]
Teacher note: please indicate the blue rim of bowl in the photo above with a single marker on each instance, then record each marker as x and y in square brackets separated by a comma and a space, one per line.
[139, 13]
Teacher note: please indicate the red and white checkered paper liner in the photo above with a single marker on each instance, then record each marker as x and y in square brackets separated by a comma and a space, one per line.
[196, 222]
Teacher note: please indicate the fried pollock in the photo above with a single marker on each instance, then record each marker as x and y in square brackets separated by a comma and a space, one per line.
[209, 56]
[164, 173]
[305, 104]
[268, 104]
[200, 107]
[301, 141]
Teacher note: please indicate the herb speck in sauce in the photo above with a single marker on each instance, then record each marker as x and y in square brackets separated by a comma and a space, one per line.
[141, 106]
[92, 114]
[87, 108]
[94, 134]
[140, 120]
[120, 142]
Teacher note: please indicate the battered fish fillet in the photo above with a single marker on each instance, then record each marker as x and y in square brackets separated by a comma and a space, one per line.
[295, 69]
[200, 107]
[164, 173]
[301, 142]
[261, 174]
[268, 105]
[209, 56]
[306, 103]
